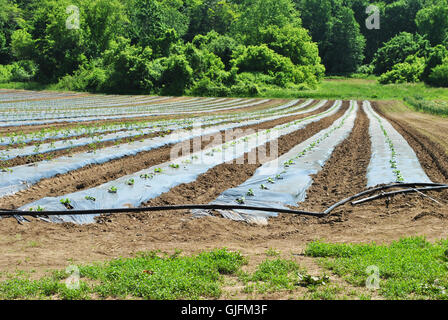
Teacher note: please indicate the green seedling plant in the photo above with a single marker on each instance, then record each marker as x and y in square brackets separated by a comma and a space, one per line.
[38, 209]
[112, 189]
[158, 170]
[240, 200]
[67, 203]
[174, 166]
[90, 198]
[250, 193]
[130, 182]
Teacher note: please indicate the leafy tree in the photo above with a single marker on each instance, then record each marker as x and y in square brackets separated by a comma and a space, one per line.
[334, 27]
[439, 75]
[210, 15]
[432, 21]
[10, 20]
[102, 21]
[346, 45]
[398, 49]
[408, 71]
[57, 50]
[435, 58]
[155, 24]
[221, 45]
[260, 14]
[177, 76]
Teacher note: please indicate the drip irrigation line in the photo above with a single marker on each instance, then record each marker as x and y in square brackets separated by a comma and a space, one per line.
[393, 193]
[366, 192]
[18, 214]
[8, 212]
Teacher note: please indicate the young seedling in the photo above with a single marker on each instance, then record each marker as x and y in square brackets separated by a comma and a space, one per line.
[270, 180]
[174, 166]
[90, 198]
[158, 170]
[130, 182]
[263, 187]
[240, 200]
[67, 203]
[146, 176]
[112, 189]
[250, 193]
[38, 209]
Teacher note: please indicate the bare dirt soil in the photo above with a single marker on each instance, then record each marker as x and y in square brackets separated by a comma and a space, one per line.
[94, 175]
[41, 246]
[66, 125]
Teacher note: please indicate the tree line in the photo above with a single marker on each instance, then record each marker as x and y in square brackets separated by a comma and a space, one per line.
[219, 47]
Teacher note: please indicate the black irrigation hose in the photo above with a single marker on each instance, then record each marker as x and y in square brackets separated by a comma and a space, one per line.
[6, 212]
[395, 185]
[429, 186]
[393, 193]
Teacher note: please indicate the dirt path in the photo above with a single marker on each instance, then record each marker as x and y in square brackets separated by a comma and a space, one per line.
[94, 175]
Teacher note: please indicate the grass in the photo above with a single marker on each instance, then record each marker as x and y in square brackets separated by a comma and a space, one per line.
[420, 105]
[147, 276]
[349, 88]
[330, 88]
[411, 268]
[28, 86]
[271, 276]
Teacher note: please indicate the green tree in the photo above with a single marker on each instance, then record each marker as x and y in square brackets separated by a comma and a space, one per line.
[346, 45]
[260, 14]
[436, 57]
[10, 20]
[398, 49]
[208, 15]
[102, 21]
[439, 75]
[155, 24]
[432, 21]
[333, 26]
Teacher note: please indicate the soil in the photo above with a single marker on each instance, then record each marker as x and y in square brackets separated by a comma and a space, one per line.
[94, 175]
[17, 161]
[67, 125]
[41, 246]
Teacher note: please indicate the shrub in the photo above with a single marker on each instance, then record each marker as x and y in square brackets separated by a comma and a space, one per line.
[409, 71]
[18, 71]
[397, 50]
[177, 76]
[435, 58]
[439, 75]
[5, 73]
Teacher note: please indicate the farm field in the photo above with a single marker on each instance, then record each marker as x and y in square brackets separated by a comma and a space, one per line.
[62, 151]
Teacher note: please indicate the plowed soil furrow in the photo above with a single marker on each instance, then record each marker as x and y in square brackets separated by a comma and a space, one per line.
[94, 175]
[70, 151]
[431, 155]
[211, 184]
[344, 174]
[36, 128]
